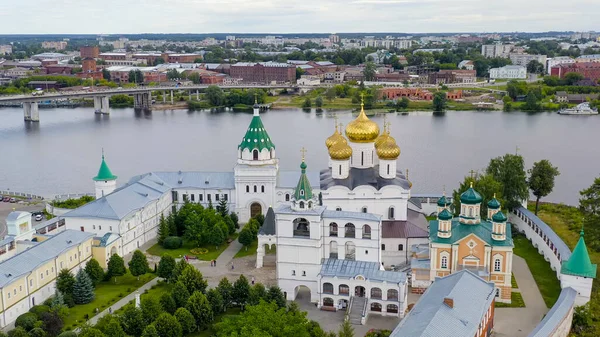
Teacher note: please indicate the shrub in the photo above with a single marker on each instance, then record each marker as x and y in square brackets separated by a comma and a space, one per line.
[173, 242]
[39, 310]
[199, 251]
[26, 321]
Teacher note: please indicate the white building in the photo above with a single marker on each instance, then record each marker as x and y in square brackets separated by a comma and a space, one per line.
[6, 49]
[554, 61]
[466, 64]
[508, 72]
[524, 59]
[496, 50]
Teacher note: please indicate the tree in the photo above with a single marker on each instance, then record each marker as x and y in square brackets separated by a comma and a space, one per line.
[83, 289]
[195, 78]
[216, 300]
[507, 103]
[94, 271]
[572, 78]
[116, 267]
[532, 102]
[319, 101]
[150, 331]
[216, 236]
[52, 322]
[199, 307]
[246, 238]
[180, 294]
[589, 203]
[91, 332]
[166, 266]
[439, 101]
[346, 330]
[241, 291]
[163, 230]
[583, 320]
[516, 88]
[64, 334]
[168, 303]
[257, 293]
[215, 95]
[509, 170]
[167, 326]
[106, 74]
[193, 280]
[307, 103]
[226, 290]
[299, 72]
[18, 332]
[222, 207]
[133, 321]
[114, 329]
[369, 71]
[26, 321]
[186, 320]
[485, 184]
[136, 76]
[65, 282]
[150, 309]
[139, 264]
[276, 295]
[37, 332]
[535, 67]
[541, 180]
[330, 94]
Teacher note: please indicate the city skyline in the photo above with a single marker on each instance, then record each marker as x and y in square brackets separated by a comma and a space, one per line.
[310, 16]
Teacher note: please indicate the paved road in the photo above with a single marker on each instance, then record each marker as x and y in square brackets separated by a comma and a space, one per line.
[519, 322]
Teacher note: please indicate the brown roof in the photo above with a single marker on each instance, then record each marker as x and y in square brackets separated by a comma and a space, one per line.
[411, 228]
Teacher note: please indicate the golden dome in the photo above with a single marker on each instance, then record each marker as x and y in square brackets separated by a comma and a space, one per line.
[385, 135]
[388, 150]
[336, 137]
[340, 151]
[362, 129]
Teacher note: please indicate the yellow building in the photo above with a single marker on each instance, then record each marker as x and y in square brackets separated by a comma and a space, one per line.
[483, 246]
[28, 278]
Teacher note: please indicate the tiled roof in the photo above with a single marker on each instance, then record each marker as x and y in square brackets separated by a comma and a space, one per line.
[351, 269]
[459, 231]
[14, 215]
[431, 317]
[401, 229]
[351, 215]
[268, 227]
[44, 251]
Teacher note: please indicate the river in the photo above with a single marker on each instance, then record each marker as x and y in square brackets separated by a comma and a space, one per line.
[62, 153]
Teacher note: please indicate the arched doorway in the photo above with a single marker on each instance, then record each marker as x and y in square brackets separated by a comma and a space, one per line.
[302, 294]
[113, 251]
[359, 291]
[255, 209]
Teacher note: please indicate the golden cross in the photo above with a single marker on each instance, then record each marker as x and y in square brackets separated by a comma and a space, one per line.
[362, 98]
[472, 174]
[517, 150]
[303, 151]
[255, 98]
[384, 122]
[335, 123]
[444, 190]
[340, 125]
[388, 126]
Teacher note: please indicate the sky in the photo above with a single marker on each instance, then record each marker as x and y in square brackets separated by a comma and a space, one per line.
[295, 16]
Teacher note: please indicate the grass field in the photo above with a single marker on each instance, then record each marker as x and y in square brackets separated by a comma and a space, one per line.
[213, 252]
[516, 301]
[513, 282]
[107, 293]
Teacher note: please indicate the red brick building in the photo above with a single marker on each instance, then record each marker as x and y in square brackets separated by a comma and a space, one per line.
[89, 52]
[589, 70]
[59, 69]
[88, 65]
[452, 76]
[180, 58]
[264, 72]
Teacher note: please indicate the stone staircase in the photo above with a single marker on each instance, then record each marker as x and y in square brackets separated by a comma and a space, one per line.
[355, 316]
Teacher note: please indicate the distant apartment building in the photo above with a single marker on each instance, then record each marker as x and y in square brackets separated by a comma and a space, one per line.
[496, 50]
[554, 61]
[512, 72]
[524, 59]
[16, 72]
[113, 56]
[589, 70]
[264, 72]
[452, 76]
[334, 38]
[466, 64]
[52, 56]
[5, 49]
[57, 45]
[181, 58]
[89, 52]
[588, 58]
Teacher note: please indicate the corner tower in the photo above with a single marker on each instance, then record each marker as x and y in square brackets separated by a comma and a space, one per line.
[578, 272]
[105, 182]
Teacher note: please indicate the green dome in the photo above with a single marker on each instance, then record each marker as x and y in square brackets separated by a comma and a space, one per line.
[499, 217]
[256, 137]
[303, 166]
[445, 215]
[104, 173]
[579, 264]
[471, 197]
[303, 189]
[443, 201]
[494, 203]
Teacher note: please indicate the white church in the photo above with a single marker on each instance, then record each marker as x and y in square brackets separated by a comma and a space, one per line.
[335, 230]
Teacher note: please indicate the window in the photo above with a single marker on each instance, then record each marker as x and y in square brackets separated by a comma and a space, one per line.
[225, 197]
[349, 231]
[340, 169]
[328, 302]
[366, 252]
[42, 276]
[364, 209]
[470, 212]
[262, 189]
[339, 209]
[388, 169]
[497, 265]
[193, 197]
[301, 226]
[200, 196]
[392, 308]
[31, 283]
[303, 273]
[46, 272]
[255, 155]
[362, 158]
[15, 291]
[287, 197]
[255, 189]
[216, 196]
[376, 307]
[208, 196]
[8, 295]
[376, 293]
[247, 188]
[392, 294]
[302, 192]
[400, 247]
[333, 229]
[301, 204]
[444, 262]
[110, 228]
[100, 227]
[497, 292]
[185, 197]
[391, 212]
[382, 247]
[293, 273]
[94, 226]
[344, 289]
[327, 288]
[366, 232]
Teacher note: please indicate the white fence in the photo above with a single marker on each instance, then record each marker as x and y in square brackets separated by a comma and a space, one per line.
[19, 194]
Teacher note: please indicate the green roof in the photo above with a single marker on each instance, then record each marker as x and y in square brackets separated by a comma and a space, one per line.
[499, 217]
[579, 264]
[443, 201]
[256, 136]
[494, 203]
[445, 215]
[460, 231]
[471, 197]
[104, 173]
[303, 190]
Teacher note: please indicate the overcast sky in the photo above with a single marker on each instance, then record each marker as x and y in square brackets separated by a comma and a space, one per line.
[294, 16]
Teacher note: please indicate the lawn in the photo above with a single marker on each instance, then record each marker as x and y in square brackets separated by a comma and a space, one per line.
[544, 276]
[516, 301]
[252, 250]
[513, 282]
[107, 293]
[213, 253]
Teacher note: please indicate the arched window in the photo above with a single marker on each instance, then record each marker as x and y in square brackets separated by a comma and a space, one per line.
[400, 247]
[383, 246]
[349, 231]
[302, 192]
[388, 169]
[376, 307]
[470, 212]
[262, 189]
[327, 288]
[444, 262]
[392, 294]
[391, 212]
[366, 232]
[350, 251]
[344, 289]
[339, 209]
[310, 204]
[392, 308]
[328, 302]
[333, 250]
[364, 209]
[301, 204]
[301, 226]
[247, 188]
[497, 265]
[333, 229]
[255, 154]
[362, 158]
[287, 197]
[376, 293]
[255, 189]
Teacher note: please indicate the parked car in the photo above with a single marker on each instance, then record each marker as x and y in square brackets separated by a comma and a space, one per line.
[6, 199]
[13, 200]
[39, 217]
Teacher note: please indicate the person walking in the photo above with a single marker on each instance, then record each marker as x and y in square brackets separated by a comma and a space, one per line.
[232, 266]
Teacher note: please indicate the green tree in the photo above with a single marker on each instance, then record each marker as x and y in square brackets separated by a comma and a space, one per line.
[257, 293]
[168, 303]
[83, 289]
[439, 101]
[114, 329]
[346, 329]
[186, 320]
[133, 321]
[516, 88]
[299, 73]
[583, 320]
[37, 332]
[64, 334]
[91, 332]
[307, 103]
[138, 265]
[403, 103]
[195, 78]
[572, 78]
[276, 295]
[369, 71]
[106, 74]
[222, 207]
[94, 271]
[136, 76]
[330, 94]
[226, 290]
[165, 266]
[485, 184]
[180, 294]
[216, 300]
[241, 291]
[116, 267]
[589, 203]
[18, 332]
[163, 230]
[535, 67]
[199, 307]
[541, 180]
[150, 308]
[52, 322]
[167, 326]
[216, 236]
[246, 237]
[150, 331]
[507, 103]
[65, 282]
[215, 95]
[26, 321]
[319, 101]
[509, 170]
[193, 280]
[532, 102]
